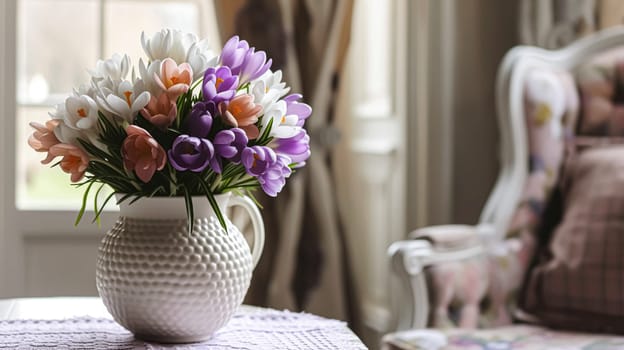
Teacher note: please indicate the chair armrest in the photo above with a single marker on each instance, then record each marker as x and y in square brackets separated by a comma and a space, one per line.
[454, 237]
[426, 248]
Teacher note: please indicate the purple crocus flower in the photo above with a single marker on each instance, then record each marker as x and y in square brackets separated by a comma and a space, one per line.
[219, 84]
[297, 148]
[274, 178]
[191, 153]
[233, 53]
[243, 60]
[269, 168]
[230, 143]
[254, 65]
[300, 109]
[199, 121]
[257, 159]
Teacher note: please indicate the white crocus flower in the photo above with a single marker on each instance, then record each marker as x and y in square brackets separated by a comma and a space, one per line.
[282, 126]
[116, 68]
[70, 135]
[65, 134]
[273, 112]
[287, 127]
[200, 57]
[268, 88]
[124, 101]
[102, 88]
[81, 112]
[147, 81]
[168, 43]
[84, 89]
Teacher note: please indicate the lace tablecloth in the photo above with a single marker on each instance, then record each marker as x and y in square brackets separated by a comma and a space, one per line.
[248, 329]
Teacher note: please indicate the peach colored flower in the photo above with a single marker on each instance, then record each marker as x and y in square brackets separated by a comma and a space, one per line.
[75, 161]
[174, 79]
[142, 154]
[160, 111]
[243, 113]
[43, 138]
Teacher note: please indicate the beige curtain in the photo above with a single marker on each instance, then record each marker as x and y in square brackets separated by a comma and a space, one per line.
[610, 13]
[305, 262]
[556, 23]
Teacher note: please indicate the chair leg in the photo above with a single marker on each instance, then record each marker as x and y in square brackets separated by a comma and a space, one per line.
[443, 280]
[469, 316]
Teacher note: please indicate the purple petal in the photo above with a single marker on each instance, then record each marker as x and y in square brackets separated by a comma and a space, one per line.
[262, 70]
[293, 97]
[254, 61]
[302, 110]
[224, 137]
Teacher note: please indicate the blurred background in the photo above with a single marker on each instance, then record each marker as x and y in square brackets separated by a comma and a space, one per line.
[404, 131]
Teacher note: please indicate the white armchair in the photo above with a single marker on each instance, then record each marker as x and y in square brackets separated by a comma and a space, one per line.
[433, 246]
[537, 106]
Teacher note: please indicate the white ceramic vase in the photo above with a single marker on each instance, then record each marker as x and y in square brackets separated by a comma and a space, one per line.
[166, 285]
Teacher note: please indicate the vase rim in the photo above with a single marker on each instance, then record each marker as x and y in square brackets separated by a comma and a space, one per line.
[173, 207]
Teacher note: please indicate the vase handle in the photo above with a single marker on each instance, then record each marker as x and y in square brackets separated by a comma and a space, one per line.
[257, 223]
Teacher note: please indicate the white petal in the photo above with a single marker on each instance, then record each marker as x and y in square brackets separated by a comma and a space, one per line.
[144, 43]
[66, 134]
[85, 123]
[258, 90]
[118, 105]
[265, 123]
[291, 120]
[123, 87]
[283, 132]
[140, 101]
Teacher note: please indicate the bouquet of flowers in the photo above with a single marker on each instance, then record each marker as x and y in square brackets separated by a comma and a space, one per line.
[187, 123]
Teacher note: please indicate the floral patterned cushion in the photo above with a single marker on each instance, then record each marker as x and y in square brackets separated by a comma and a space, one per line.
[601, 84]
[576, 281]
[518, 337]
[551, 109]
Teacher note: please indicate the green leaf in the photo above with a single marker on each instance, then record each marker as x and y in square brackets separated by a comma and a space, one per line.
[124, 198]
[213, 203]
[264, 139]
[136, 198]
[99, 212]
[190, 214]
[84, 204]
[153, 193]
[111, 130]
[93, 150]
[95, 206]
[196, 83]
[251, 195]
[244, 87]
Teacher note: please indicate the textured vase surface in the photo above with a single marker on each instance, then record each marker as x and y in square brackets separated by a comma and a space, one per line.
[166, 285]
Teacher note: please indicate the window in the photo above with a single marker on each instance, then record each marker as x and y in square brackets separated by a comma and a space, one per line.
[57, 41]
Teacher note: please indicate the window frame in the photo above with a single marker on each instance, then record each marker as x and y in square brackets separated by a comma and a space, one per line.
[102, 29]
[19, 227]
